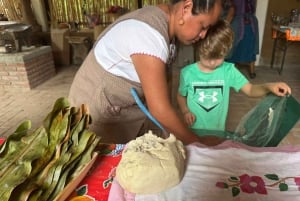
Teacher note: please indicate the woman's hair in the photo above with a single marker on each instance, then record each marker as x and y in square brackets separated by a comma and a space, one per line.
[200, 6]
[218, 41]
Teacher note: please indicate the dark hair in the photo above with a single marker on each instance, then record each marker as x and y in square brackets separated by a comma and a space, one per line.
[218, 41]
[200, 6]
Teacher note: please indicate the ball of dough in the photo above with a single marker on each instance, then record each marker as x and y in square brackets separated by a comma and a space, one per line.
[151, 164]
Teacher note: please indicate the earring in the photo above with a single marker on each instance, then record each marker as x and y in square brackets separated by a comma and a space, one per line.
[181, 22]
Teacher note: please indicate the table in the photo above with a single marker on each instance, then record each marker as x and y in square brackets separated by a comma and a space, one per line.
[287, 35]
[229, 171]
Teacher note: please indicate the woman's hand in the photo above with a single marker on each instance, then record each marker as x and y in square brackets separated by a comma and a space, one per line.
[210, 140]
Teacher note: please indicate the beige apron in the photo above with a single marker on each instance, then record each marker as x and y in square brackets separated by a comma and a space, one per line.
[115, 115]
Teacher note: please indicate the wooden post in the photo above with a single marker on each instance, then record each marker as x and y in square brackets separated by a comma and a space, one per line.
[28, 16]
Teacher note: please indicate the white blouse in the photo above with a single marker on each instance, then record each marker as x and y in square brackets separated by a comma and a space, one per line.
[124, 39]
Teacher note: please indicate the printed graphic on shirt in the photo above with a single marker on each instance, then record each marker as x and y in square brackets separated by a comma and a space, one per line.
[208, 97]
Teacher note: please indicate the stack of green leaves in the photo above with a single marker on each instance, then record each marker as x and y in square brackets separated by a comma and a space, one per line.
[37, 164]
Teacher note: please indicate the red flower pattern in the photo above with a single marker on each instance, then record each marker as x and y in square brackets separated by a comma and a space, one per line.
[252, 184]
[256, 184]
[297, 181]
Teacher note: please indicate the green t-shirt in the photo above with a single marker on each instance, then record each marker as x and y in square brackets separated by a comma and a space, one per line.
[208, 93]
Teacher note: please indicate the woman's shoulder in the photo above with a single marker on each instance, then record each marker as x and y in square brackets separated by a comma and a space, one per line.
[153, 16]
[134, 29]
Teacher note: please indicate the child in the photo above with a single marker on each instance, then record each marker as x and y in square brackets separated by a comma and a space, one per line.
[204, 87]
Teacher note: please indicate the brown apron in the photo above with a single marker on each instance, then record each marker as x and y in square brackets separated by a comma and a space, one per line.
[115, 116]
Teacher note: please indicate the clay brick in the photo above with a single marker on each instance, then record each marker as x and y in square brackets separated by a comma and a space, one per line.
[26, 70]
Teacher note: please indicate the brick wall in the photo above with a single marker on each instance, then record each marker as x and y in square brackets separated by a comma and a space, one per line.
[27, 69]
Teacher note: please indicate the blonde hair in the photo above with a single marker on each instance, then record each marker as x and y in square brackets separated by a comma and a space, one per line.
[218, 41]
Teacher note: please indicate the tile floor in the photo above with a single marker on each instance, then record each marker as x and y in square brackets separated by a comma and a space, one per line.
[15, 107]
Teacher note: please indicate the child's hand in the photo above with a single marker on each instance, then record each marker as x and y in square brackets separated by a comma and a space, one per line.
[189, 118]
[280, 88]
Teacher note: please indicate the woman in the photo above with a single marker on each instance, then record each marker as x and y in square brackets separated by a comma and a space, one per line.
[228, 10]
[246, 43]
[134, 52]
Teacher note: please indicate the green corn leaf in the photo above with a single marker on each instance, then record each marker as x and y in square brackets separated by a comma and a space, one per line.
[75, 129]
[86, 157]
[59, 105]
[26, 147]
[54, 178]
[83, 145]
[58, 130]
[34, 196]
[52, 153]
[63, 180]
[8, 182]
[45, 160]
[17, 135]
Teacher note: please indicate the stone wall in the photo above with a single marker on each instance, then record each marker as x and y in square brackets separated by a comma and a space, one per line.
[27, 69]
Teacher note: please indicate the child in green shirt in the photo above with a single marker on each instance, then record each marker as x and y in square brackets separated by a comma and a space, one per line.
[204, 87]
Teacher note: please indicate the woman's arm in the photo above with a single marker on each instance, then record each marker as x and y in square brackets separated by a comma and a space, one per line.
[181, 100]
[152, 74]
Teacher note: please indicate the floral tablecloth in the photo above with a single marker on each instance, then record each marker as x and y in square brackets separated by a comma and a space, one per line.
[236, 172]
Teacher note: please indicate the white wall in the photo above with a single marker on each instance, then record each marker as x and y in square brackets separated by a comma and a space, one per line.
[261, 13]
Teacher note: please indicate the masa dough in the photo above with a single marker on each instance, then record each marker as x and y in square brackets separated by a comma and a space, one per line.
[151, 164]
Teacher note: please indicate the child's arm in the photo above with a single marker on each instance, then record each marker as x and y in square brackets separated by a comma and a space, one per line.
[188, 116]
[258, 90]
